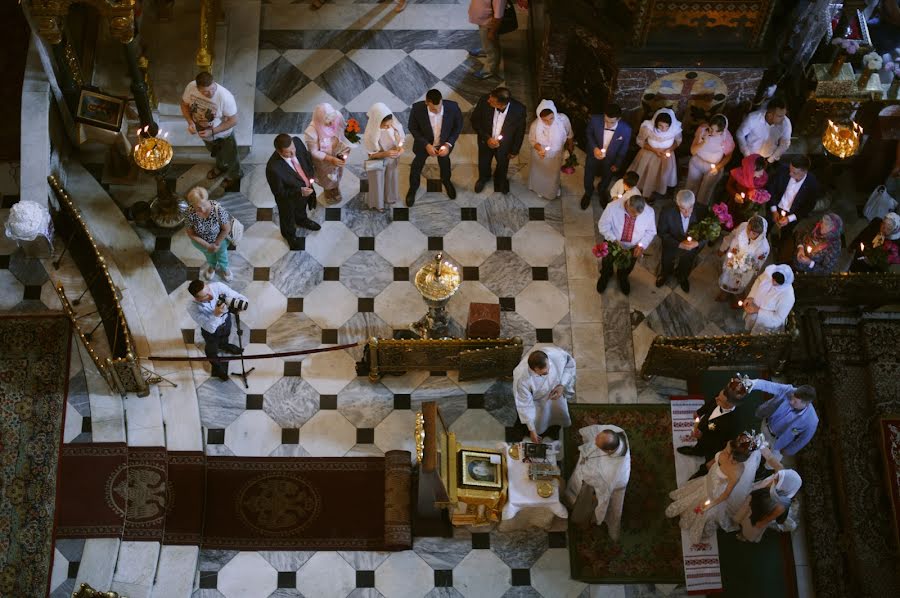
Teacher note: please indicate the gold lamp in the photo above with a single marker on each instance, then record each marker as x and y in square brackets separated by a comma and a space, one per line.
[436, 281]
[842, 140]
[153, 155]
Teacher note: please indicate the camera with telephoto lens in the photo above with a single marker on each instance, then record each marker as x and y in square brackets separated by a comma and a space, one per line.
[234, 305]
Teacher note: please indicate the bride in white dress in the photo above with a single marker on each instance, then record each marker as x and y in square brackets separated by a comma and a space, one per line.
[714, 499]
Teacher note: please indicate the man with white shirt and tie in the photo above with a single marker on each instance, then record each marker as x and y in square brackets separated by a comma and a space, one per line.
[289, 173]
[499, 122]
[793, 194]
[766, 132]
[608, 138]
[630, 223]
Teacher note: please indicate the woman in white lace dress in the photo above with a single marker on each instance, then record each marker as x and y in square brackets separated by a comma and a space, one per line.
[713, 500]
[745, 250]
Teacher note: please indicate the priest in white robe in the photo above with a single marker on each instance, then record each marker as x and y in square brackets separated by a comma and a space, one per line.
[543, 383]
[600, 477]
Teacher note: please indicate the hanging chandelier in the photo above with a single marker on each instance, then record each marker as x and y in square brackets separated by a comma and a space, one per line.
[842, 140]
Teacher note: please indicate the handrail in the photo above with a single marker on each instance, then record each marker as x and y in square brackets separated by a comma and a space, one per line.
[869, 289]
[206, 51]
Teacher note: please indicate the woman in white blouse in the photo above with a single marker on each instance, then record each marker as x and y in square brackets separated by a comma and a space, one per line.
[383, 140]
[655, 162]
[550, 134]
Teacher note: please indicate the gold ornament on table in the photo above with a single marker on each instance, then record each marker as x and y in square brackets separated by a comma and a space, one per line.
[842, 140]
[545, 489]
[436, 281]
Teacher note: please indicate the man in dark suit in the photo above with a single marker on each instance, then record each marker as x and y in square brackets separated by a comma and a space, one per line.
[290, 176]
[794, 192]
[678, 251]
[435, 125]
[608, 138]
[499, 121]
[715, 423]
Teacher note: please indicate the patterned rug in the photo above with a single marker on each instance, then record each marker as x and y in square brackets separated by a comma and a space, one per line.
[34, 374]
[649, 549]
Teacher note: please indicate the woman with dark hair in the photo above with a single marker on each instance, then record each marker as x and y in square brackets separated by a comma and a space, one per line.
[710, 153]
[744, 182]
[713, 500]
[655, 162]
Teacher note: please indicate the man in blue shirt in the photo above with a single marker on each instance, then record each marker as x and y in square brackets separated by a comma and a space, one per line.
[789, 418]
[214, 321]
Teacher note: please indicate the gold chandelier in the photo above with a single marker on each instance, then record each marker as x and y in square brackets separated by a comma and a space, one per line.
[153, 153]
[842, 140]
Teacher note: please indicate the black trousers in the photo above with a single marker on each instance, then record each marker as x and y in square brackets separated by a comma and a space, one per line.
[594, 168]
[486, 156]
[606, 269]
[415, 169]
[678, 261]
[214, 341]
[291, 212]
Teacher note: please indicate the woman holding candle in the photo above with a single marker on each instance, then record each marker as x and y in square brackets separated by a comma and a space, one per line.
[818, 250]
[383, 140]
[710, 152]
[770, 300]
[655, 162]
[745, 250]
[873, 237]
[324, 137]
[713, 500]
[208, 226]
[744, 182]
[550, 134]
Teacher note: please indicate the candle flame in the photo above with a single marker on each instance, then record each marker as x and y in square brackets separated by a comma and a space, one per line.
[809, 249]
[740, 304]
[862, 247]
[668, 154]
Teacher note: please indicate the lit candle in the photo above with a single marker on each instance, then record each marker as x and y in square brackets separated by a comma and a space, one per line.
[743, 196]
[689, 239]
[602, 150]
[729, 255]
[619, 196]
[740, 304]
[499, 137]
[809, 249]
[311, 181]
[668, 154]
[712, 166]
[696, 420]
[783, 213]
[862, 247]
[706, 504]
[546, 148]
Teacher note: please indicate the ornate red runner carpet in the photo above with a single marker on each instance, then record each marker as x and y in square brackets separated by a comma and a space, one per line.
[34, 375]
[890, 451]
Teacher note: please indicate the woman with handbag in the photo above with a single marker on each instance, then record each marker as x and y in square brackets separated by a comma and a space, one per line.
[383, 140]
[208, 226]
[325, 140]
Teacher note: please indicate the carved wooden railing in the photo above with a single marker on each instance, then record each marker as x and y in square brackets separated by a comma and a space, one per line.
[474, 358]
[866, 290]
[684, 357]
[121, 369]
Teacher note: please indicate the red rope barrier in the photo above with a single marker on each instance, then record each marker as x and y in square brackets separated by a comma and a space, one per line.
[265, 356]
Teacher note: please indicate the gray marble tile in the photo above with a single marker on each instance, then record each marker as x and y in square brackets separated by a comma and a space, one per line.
[366, 273]
[562, 334]
[618, 341]
[241, 269]
[290, 402]
[676, 317]
[365, 593]
[344, 80]
[519, 549]
[557, 273]
[514, 325]
[658, 389]
[218, 450]
[499, 402]
[450, 397]
[435, 219]
[280, 80]
[621, 387]
[443, 553]
[652, 591]
[279, 121]
[373, 39]
[505, 274]
[171, 270]
[293, 331]
[522, 592]
[362, 221]
[296, 274]
[286, 593]
[290, 450]
[463, 83]
[360, 327]
[553, 215]
[65, 589]
[284, 560]
[444, 593]
[503, 215]
[408, 80]
[221, 403]
[78, 395]
[364, 560]
[29, 271]
[365, 403]
[71, 549]
[213, 560]
[239, 207]
[207, 593]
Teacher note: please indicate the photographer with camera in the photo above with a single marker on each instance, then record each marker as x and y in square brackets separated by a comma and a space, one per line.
[213, 301]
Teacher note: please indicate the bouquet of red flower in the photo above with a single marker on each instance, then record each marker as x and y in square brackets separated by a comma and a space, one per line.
[760, 196]
[621, 256]
[724, 216]
[569, 165]
[600, 250]
[352, 130]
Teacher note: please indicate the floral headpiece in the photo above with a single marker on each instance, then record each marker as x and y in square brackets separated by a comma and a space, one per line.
[751, 440]
[745, 381]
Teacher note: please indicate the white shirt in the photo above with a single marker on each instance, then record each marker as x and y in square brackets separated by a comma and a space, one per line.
[607, 137]
[612, 223]
[617, 191]
[499, 119]
[719, 411]
[685, 222]
[208, 112]
[756, 136]
[790, 194]
[436, 120]
[204, 313]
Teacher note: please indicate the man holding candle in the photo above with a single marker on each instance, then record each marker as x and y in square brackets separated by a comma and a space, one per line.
[715, 423]
[631, 223]
[608, 137]
[499, 122]
[211, 114]
[435, 125]
[289, 173]
[679, 249]
[794, 191]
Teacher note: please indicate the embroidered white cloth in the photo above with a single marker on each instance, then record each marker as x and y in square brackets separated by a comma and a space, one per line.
[523, 499]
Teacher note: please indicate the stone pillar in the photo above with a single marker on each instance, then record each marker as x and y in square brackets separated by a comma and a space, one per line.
[138, 86]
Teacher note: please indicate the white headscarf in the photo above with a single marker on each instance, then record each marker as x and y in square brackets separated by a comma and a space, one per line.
[758, 246]
[658, 138]
[372, 135]
[787, 484]
[894, 222]
[768, 293]
[553, 135]
[324, 132]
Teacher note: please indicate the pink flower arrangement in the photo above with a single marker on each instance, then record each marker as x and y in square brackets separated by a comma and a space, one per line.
[849, 46]
[760, 196]
[893, 252]
[725, 218]
[569, 165]
[600, 250]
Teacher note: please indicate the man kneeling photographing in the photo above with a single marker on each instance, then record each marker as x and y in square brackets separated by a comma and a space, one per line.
[213, 301]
